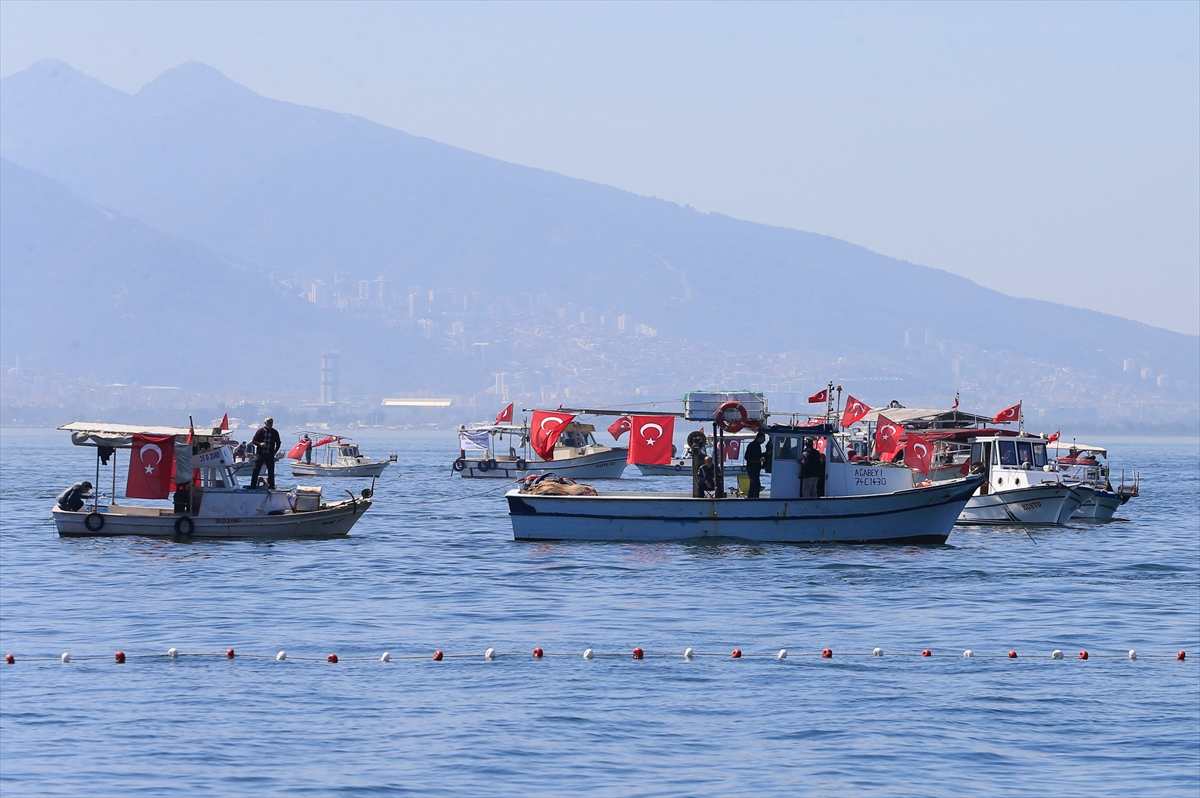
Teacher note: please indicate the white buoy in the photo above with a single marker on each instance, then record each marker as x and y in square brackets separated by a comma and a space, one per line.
[878, 652]
[490, 654]
[782, 654]
[968, 653]
[281, 656]
[687, 653]
[1056, 654]
[67, 657]
[587, 653]
[386, 657]
[1132, 655]
[172, 653]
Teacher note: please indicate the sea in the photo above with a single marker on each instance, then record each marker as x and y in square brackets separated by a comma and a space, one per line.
[433, 567]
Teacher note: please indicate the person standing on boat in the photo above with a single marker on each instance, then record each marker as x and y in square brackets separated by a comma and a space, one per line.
[266, 444]
[72, 498]
[307, 448]
[812, 468]
[754, 463]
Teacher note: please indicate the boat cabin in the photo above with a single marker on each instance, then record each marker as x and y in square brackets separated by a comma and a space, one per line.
[842, 477]
[1012, 462]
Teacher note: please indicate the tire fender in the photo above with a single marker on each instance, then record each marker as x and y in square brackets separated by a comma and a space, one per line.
[97, 518]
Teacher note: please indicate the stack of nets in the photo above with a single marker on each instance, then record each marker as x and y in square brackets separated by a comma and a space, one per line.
[554, 485]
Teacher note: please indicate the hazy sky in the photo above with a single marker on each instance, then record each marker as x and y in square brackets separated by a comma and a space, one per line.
[1046, 150]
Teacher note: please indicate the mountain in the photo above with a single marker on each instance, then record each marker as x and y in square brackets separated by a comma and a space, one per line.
[305, 195]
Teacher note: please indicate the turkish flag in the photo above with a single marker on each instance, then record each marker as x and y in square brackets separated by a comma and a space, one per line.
[1053, 437]
[887, 436]
[918, 453]
[505, 415]
[325, 440]
[855, 410]
[650, 439]
[151, 467]
[619, 427]
[225, 422]
[299, 449]
[1008, 414]
[545, 427]
[819, 396]
[733, 449]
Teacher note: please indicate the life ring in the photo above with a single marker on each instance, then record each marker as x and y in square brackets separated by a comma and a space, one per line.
[460, 464]
[87, 521]
[732, 426]
[485, 466]
[184, 526]
[521, 464]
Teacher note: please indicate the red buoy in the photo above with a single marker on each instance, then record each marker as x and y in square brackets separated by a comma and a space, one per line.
[827, 653]
[638, 653]
[437, 656]
[120, 657]
[331, 658]
[737, 653]
[537, 653]
[10, 659]
[926, 653]
[1181, 656]
[229, 653]
[1012, 655]
[1083, 655]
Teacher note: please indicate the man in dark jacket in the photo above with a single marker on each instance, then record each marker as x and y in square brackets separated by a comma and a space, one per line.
[72, 498]
[754, 464]
[708, 475]
[812, 469]
[266, 444]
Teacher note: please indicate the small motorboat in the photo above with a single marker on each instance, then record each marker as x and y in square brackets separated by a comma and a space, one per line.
[503, 451]
[1022, 486]
[209, 502]
[342, 458]
[1084, 463]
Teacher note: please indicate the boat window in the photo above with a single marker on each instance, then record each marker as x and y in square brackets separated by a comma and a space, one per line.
[835, 452]
[976, 452]
[1024, 453]
[576, 439]
[1039, 455]
[786, 448]
[1008, 453]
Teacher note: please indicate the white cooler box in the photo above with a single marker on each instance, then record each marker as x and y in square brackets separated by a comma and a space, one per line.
[307, 499]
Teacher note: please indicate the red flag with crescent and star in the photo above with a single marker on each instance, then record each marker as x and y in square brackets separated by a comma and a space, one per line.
[855, 410]
[650, 439]
[820, 396]
[1008, 414]
[151, 467]
[544, 429]
[887, 437]
[1053, 437]
[619, 427]
[918, 453]
[505, 415]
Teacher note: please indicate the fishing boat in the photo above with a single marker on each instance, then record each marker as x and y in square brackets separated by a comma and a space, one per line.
[340, 458]
[208, 501]
[1083, 463]
[877, 503]
[504, 451]
[1022, 486]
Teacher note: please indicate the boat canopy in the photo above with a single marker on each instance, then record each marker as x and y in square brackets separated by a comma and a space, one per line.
[1064, 446]
[120, 436]
[928, 417]
[964, 435]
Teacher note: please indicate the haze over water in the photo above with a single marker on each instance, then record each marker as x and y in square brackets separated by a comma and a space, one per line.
[414, 578]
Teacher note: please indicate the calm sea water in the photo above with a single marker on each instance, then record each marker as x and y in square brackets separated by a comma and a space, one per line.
[413, 578]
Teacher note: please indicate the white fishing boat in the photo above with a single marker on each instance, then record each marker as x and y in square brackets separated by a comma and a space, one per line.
[1022, 486]
[209, 503]
[876, 503]
[340, 458]
[503, 451]
[1084, 463]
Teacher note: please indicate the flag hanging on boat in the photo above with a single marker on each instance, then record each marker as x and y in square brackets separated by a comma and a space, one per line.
[325, 440]
[650, 439]
[1008, 414]
[473, 441]
[955, 401]
[151, 467]
[544, 429]
[887, 437]
[619, 427]
[820, 396]
[1053, 437]
[918, 453]
[505, 415]
[855, 410]
[225, 423]
[733, 449]
[299, 449]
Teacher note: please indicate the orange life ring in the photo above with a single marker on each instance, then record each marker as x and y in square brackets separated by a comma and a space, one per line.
[732, 426]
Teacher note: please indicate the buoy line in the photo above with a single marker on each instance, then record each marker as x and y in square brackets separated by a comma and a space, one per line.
[688, 654]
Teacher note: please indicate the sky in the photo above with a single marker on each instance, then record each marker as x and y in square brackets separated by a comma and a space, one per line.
[1045, 150]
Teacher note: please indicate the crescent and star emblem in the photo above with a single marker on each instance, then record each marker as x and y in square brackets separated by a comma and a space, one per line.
[856, 407]
[549, 420]
[650, 441]
[142, 456]
[921, 449]
[888, 430]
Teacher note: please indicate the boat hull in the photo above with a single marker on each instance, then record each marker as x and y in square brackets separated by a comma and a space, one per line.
[1101, 506]
[1080, 493]
[301, 469]
[605, 465]
[919, 515]
[1038, 504]
[332, 521]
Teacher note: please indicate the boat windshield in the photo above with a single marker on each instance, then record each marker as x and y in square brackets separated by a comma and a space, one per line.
[1039, 455]
[350, 451]
[787, 447]
[576, 439]
[1025, 453]
[1008, 453]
